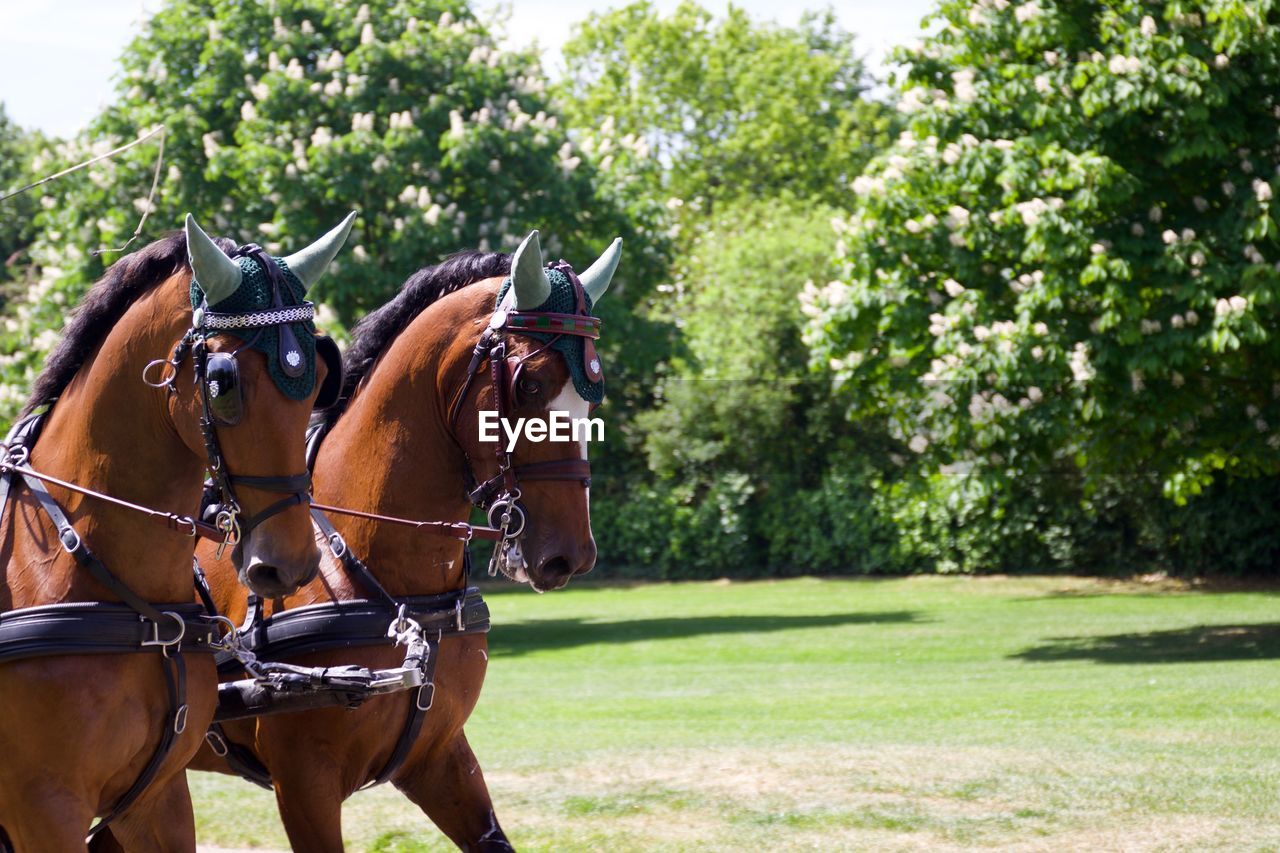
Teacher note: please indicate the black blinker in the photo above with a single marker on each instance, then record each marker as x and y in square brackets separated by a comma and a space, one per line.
[327, 350]
[222, 381]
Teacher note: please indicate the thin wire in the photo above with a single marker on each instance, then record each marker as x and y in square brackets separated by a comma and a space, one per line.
[155, 182]
[109, 154]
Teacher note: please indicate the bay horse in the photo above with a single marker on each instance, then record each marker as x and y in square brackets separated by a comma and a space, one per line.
[107, 681]
[403, 440]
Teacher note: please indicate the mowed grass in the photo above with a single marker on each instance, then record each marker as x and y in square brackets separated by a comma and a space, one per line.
[914, 714]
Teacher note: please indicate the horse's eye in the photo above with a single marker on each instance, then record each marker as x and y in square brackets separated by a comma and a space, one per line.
[531, 387]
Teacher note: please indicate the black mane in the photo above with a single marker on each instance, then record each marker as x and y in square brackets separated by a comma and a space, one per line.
[373, 335]
[103, 306]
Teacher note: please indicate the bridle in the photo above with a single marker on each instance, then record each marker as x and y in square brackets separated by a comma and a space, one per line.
[499, 495]
[217, 376]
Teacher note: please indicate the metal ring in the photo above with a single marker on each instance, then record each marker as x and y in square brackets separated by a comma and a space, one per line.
[155, 632]
[165, 382]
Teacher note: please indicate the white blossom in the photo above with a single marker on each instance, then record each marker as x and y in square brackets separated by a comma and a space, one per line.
[1081, 370]
[1043, 84]
[1197, 258]
[1148, 25]
[1027, 12]
[918, 444]
[1221, 61]
[1261, 190]
[247, 111]
[953, 287]
[1201, 203]
[1051, 57]
[367, 35]
[1155, 214]
[1169, 236]
[1228, 188]
[964, 88]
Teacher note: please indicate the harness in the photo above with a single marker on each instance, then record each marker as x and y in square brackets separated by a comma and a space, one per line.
[134, 625]
[364, 622]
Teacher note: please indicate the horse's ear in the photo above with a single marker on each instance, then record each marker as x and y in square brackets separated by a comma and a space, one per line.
[595, 281]
[309, 264]
[528, 278]
[217, 275]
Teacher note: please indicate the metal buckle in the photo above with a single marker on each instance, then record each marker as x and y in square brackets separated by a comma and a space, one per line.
[69, 539]
[216, 743]
[155, 632]
[337, 544]
[180, 720]
[458, 615]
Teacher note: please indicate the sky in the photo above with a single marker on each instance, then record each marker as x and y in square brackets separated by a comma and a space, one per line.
[57, 57]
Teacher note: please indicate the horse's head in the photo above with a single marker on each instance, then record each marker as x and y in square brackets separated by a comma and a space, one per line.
[258, 369]
[536, 364]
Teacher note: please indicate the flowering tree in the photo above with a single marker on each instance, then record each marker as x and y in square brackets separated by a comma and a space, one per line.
[283, 116]
[1066, 270]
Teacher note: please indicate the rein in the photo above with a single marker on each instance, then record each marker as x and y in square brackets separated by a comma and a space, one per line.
[15, 462]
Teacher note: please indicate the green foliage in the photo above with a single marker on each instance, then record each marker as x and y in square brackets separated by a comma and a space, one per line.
[1061, 283]
[750, 464]
[17, 214]
[283, 116]
[708, 109]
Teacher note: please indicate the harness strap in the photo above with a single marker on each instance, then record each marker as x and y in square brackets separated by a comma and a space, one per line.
[277, 507]
[175, 678]
[240, 759]
[74, 545]
[420, 704]
[354, 566]
[356, 624]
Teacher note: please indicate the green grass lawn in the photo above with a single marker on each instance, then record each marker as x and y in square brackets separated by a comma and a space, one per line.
[921, 713]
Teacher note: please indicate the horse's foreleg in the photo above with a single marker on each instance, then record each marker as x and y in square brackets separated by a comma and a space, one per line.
[310, 802]
[44, 821]
[449, 786]
[161, 821]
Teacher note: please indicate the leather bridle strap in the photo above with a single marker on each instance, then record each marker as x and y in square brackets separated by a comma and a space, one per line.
[553, 469]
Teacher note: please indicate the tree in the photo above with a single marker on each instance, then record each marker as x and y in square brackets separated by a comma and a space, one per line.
[283, 116]
[712, 109]
[17, 214]
[1061, 282]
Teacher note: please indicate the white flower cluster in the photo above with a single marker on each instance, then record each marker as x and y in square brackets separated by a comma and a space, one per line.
[1124, 65]
[401, 120]
[1081, 369]
[1229, 307]
[361, 121]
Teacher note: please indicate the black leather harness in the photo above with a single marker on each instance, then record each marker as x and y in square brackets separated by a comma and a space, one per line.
[98, 627]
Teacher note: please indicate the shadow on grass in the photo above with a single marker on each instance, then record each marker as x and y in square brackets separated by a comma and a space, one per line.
[1201, 643]
[516, 638]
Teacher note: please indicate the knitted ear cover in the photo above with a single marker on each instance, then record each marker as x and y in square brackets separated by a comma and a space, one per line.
[254, 294]
[563, 301]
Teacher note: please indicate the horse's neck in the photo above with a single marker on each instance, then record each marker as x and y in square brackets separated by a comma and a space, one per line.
[110, 432]
[391, 453]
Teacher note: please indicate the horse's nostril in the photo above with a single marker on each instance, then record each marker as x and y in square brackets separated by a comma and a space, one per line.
[265, 579]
